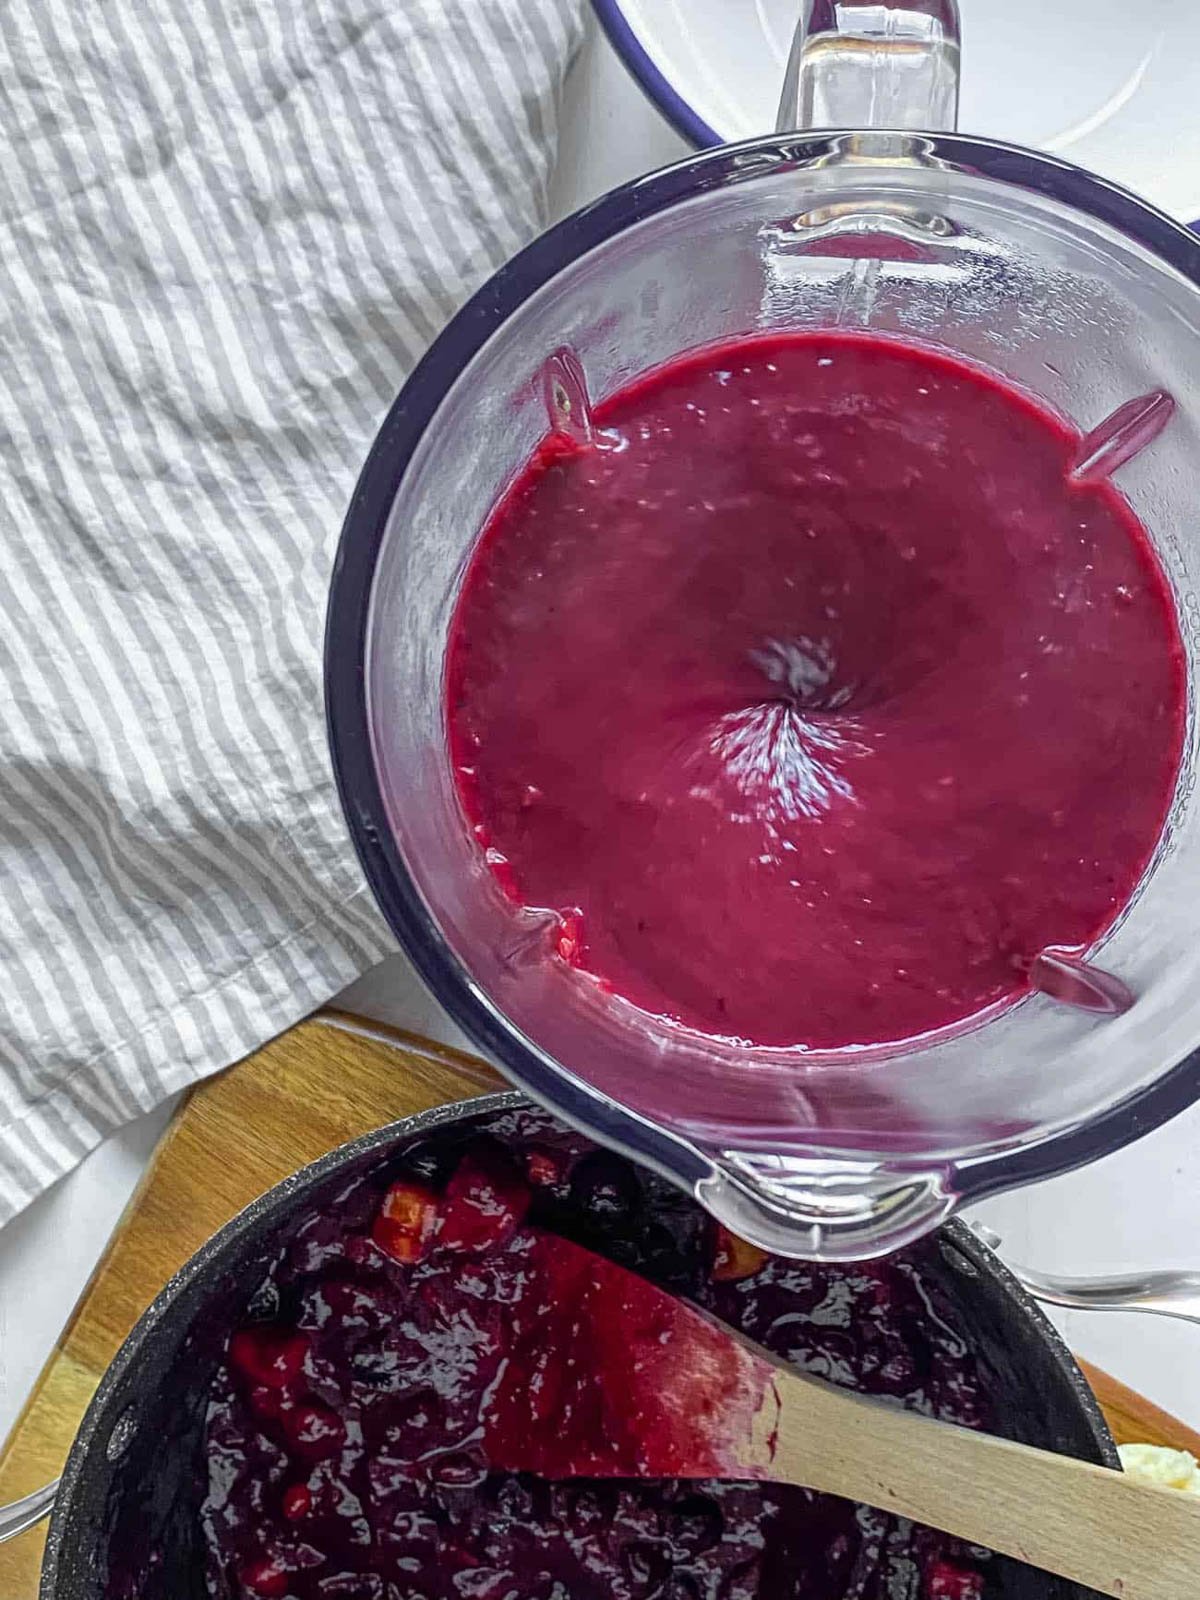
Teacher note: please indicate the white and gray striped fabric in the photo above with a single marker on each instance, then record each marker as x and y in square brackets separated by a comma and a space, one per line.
[227, 230]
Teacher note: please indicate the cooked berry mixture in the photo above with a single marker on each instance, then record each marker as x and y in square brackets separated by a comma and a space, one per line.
[344, 1449]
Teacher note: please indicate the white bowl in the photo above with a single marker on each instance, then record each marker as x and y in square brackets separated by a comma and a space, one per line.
[1110, 86]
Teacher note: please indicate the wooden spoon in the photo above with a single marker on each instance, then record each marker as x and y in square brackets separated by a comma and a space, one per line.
[607, 1376]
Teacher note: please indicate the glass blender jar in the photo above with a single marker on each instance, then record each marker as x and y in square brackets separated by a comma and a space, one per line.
[1069, 287]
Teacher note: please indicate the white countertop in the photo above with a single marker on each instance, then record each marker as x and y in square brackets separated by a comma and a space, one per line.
[1139, 1208]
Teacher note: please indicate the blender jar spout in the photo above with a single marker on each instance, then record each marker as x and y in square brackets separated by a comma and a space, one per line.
[861, 64]
[817, 1209]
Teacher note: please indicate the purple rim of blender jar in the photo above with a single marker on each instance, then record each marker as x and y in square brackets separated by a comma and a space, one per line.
[353, 577]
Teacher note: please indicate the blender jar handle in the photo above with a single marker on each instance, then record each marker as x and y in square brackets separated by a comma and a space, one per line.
[855, 66]
[862, 64]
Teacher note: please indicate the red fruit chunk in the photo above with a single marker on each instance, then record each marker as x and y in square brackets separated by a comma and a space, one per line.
[735, 1258]
[945, 1581]
[484, 1204]
[395, 1241]
[314, 1432]
[404, 1226]
[569, 944]
[297, 1502]
[264, 1577]
[268, 1356]
[543, 1168]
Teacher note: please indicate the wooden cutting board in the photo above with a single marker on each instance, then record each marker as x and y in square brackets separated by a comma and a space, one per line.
[326, 1081]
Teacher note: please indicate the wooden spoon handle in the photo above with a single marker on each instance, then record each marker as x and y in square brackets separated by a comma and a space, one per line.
[1086, 1523]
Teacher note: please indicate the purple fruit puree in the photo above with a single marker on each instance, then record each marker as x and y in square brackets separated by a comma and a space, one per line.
[815, 695]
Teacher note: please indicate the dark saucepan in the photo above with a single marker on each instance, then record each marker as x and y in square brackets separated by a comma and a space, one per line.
[134, 1483]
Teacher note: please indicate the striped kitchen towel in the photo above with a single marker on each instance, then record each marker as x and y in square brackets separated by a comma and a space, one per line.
[227, 230]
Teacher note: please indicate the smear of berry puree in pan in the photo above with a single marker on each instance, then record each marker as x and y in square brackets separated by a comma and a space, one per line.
[606, 1376]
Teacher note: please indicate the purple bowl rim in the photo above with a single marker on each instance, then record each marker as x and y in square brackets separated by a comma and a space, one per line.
[655, 84]
[358, 785]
